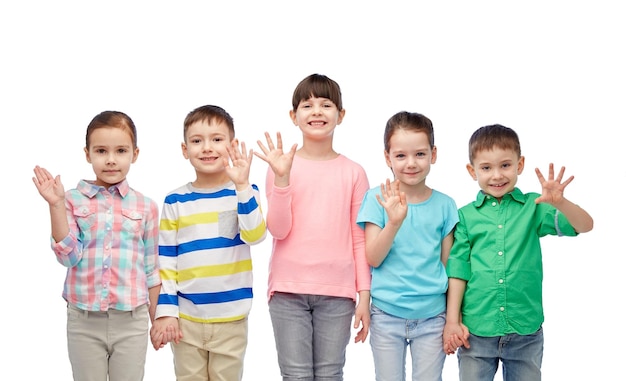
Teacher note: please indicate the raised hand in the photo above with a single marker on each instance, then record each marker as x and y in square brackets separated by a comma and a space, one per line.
[241, 160]
[279, 161]
[393, 200]
[552, 189]
[49, 187]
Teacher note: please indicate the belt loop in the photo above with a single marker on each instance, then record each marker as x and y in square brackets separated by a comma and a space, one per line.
[86, 314]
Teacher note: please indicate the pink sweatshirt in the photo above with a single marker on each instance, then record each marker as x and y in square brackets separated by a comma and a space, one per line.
[317, 246]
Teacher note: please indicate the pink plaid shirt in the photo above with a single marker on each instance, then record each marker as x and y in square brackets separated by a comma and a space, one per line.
[111, 250]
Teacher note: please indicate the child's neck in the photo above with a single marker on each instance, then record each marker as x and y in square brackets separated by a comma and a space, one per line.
[208, 181]
[416, 193]
[317, 151]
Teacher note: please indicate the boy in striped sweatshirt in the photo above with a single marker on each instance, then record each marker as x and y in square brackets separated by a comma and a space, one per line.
[206, 229]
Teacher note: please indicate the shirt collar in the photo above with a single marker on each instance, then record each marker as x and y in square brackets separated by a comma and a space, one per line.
[89, 189]
[515, 195]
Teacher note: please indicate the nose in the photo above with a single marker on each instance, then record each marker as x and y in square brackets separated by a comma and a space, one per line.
[110, 158]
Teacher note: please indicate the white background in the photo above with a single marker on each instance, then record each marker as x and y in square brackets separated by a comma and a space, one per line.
[553, 71]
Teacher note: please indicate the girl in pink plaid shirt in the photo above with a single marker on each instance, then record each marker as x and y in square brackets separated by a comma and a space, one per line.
[106, 234]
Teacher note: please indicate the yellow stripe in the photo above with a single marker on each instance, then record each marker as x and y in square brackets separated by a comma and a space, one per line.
[207, 271]
[255, 234]
[186, 221]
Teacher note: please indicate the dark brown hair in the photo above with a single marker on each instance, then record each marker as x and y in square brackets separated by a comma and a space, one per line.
[493, 136]
[319, 86]
[209, 113]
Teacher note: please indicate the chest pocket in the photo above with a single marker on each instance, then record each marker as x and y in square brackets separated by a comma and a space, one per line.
[131, 220]
[228, 224]
[85, 217]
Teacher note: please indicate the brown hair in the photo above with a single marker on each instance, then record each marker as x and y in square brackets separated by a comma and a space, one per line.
[319, 86]
[209, 113]
[115, 119]
[412, 121]
[493, 136]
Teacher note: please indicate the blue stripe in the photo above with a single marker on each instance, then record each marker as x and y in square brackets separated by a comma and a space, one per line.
[248, 207]
[168, 299]
[218, 297]
[199, 244]
[177, 197]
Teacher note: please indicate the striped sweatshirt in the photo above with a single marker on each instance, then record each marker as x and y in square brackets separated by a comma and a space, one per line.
[204, 252]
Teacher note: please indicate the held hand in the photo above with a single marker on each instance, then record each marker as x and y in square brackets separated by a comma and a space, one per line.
[49, 187]
[279, 161]
[454, 336]
[393, 200]
[552, 189]
[241, 160]
[362, 319]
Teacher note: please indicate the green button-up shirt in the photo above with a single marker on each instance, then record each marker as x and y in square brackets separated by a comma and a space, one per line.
[497, 251]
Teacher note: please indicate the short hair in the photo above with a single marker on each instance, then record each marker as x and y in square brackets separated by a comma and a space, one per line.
[209, 113]
[114, 119]
[493, 136]
[413, 121]
[319, 86]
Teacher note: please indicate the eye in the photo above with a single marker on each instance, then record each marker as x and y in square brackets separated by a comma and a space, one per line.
[218, 139]
[122, 150]
[101, 150]
[506, 165]
[400, 156]
[195, 140]
[485, 168]
[421, 154]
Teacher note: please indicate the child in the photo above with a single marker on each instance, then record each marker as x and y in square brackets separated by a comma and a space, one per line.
[495, 268]
[207, 227]
[408, 235]
[106, 233]
[318, 260]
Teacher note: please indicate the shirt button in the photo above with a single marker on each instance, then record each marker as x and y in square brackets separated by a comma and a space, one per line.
[493, 203]
[501, 308]
[500, 281]
[499, 226]
[499, 253]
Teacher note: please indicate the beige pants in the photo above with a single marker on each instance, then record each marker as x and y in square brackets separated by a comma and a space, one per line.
[109, 344]
[211, 351]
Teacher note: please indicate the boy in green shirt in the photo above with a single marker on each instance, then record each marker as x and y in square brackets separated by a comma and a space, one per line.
[495, 267]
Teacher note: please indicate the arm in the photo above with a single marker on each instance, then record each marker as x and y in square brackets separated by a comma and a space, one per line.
[362, 316]
[455, 333]
[446, 245]
[552, 193]
[378, 241]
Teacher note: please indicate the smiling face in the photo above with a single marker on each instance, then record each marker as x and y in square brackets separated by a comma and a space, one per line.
[110, 153]
[205, 147]
[496, 170]
[317, 117]
[410, 156]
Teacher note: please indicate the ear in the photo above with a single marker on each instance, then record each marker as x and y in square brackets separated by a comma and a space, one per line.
[87, 155]
[520, 165]
[471, 171]
[183, 147]
[135, 155]
[342, 113]
[387, 159]
[433, 156]
[292, 116]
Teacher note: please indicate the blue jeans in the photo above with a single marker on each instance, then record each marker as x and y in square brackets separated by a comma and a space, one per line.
[389, 338]
[521, 357]
[311, 334]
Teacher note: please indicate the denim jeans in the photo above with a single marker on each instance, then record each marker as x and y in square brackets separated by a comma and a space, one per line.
[311, 334]
[389, 338]
[521, 357]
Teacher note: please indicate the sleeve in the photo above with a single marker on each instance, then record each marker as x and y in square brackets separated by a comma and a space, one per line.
[371, 211]
[363, 273]
[151, 248]
[452, 216]
[69, 251]
[459, 261]
[168, 262]
[251, 223]
[279, 214]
